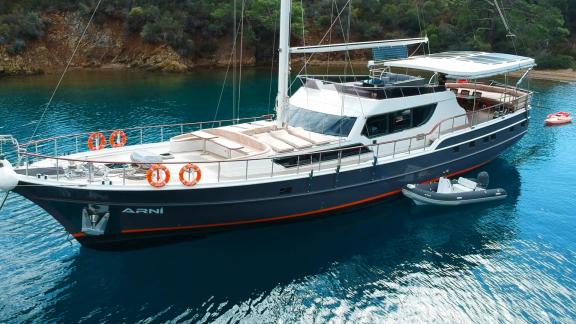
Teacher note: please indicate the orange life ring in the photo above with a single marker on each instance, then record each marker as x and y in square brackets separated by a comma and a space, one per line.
[96, 141]
[187, 168]
[158, 175]
[114, 138]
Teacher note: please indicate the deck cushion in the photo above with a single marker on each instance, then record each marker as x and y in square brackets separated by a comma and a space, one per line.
[295, 141]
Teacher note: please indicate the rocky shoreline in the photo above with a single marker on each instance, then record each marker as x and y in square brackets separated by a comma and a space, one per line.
[565, 75]
[105, 46]
[109, 47]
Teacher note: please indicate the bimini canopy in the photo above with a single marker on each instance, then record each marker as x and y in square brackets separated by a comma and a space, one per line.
[466, 65]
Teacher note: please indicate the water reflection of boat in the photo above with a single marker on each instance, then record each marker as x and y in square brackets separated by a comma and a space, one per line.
[376, 244]
[338, 142]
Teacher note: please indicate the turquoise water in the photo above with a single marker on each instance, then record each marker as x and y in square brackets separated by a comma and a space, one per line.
[508, 262]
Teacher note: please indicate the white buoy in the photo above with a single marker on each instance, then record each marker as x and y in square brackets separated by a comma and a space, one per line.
[8, 178]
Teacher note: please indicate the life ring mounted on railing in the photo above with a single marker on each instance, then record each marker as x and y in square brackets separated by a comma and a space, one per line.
[158, 175]
[190, 168]
[96, 141]
[118, 138]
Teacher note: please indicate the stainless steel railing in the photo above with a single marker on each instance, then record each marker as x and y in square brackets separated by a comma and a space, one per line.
[53, 152]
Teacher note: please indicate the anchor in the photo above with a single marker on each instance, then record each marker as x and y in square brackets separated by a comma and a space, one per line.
[94, 219]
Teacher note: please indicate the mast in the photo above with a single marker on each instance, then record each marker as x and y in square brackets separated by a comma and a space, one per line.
[283, 61]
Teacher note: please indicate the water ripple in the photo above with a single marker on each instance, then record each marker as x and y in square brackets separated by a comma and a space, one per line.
[393, 262]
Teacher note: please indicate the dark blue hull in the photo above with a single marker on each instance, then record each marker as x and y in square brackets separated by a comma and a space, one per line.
[137, 216]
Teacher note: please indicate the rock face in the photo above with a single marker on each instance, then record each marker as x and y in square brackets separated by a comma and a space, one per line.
[16, 65]
[106, 45]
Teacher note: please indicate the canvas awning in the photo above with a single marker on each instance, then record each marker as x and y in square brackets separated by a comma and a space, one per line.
[466, 65]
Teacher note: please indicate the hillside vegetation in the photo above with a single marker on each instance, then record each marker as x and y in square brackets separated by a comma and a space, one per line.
[193, 31]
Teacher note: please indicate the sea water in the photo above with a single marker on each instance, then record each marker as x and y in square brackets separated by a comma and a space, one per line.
[513, 261]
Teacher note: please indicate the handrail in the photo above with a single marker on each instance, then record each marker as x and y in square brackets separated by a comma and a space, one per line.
[377, 92]
[263, 117]
[417, 137]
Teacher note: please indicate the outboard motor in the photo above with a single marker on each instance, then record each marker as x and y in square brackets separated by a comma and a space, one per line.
[483, 179]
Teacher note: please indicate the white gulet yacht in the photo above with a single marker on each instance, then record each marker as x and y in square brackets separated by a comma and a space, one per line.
[337, 142]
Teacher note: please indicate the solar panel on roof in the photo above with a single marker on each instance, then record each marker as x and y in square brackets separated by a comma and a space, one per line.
[390, 53]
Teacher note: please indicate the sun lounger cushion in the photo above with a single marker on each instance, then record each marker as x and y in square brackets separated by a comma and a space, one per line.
[276, 144]
[315, 138]
[295, 141]
[228, 143]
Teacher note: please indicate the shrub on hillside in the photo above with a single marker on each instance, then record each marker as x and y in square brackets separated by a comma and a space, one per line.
[556, 62]
[136, 19]
[16, 29]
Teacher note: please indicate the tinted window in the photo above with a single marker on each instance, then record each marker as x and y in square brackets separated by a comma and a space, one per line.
[398, 121]
[307, 159]
[376, 126]
[319, 122]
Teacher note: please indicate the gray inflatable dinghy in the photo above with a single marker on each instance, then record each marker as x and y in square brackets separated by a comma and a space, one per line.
[447, 192]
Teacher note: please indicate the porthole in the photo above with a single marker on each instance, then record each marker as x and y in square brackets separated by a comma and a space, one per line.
[486, 139]
[493, 136]
[472, 144]
[456, 149]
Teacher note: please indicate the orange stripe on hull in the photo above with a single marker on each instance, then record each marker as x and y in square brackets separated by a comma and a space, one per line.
[279, 218]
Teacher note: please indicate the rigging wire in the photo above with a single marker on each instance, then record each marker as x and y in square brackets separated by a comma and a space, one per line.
[423, 33]
[418, 12]
[65, 71]
[241, 57]
[304, 44]
[235, 61]
[510, 34]
[303, 34]
[321, 41]
[225, 78]
[330, 37]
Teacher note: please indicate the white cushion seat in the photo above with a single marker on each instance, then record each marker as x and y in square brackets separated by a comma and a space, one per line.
[295, 141]
[185, 143]
[471, 185]
[228, 143]
[263, 123]
[315, 138]
[204, 135]
[276, 144]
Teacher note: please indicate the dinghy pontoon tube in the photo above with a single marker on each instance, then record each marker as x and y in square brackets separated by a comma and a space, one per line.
[453, 193]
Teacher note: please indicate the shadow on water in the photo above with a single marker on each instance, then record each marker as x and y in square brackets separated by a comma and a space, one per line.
[236, 266]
